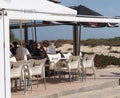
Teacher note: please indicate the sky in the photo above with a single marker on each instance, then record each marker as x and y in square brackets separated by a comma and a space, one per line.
[109, 8]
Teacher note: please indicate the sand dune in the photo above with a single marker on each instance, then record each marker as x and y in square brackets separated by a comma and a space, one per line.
[102, 49]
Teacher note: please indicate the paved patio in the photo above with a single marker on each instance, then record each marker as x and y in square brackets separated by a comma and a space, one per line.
[108, 77]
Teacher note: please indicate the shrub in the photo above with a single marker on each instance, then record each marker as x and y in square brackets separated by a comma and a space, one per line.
[102, 61]
[94, 42]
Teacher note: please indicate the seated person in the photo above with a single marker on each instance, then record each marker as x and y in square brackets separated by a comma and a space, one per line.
[35, 51]
[12, 58]
[38, 51]
[43, 53]
[22, 53]
[49, 48]
[14, 48]
[11, 55]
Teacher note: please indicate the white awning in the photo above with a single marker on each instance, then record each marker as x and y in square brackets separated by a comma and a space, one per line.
[46, 10]
[18, 8]
[52, 17]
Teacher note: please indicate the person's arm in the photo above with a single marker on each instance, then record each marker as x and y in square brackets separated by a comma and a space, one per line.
[11, 55]
[28, 54]
[43, 50]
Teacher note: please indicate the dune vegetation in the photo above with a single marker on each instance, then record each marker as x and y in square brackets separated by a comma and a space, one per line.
[101, 60]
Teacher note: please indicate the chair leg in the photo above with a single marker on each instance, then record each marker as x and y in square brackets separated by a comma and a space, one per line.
[55, 73]
[64, 74]
[24, 83]
[81, 75]
[84, 72]
[94, 73]
[11, 84]
[16, 84]
[70, 76]
[31, 84]
[59, 74]
[44, 83]
[20, 85]
[37, 81]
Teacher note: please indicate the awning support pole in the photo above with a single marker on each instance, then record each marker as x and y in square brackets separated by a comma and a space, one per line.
[35, 32]
[76, 40]
[4, 56]
[26, 33]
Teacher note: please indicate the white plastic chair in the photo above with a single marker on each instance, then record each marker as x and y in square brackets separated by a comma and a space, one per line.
[53, 58]
[37, 68]
[67, 55]
[18, 72]
[74, 66]
[88, 62]
[71, 66]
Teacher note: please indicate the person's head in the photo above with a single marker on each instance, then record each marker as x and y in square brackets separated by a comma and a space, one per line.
[34, 46]
[11, 45]
[46, 43]
[15, 43]
[23, 44]
[38, 46]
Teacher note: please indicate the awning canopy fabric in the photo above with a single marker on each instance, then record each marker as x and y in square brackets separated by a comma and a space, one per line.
[37, 10]
[56, 1]
[82, 10]
[46, 10]
[42, 6]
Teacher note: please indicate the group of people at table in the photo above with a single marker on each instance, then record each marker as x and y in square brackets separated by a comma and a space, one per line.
[25, 52]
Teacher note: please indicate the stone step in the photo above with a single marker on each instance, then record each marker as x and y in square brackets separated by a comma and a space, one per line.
[110, 92]
[90, 91]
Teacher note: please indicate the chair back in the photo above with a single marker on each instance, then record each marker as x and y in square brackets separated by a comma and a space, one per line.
[31, 62]
[73, 62]
[67, 55]
[37, 67]
[16, 68]
[88, 60]
[54, 58]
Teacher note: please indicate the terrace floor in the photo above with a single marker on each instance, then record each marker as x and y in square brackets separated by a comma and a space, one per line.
[60, 87]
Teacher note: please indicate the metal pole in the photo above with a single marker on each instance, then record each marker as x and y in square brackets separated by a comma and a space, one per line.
[35, 31]
[79, 37]
[26, 33]
[32, 30]
[76, 40]
[20, 21]
[20, 31]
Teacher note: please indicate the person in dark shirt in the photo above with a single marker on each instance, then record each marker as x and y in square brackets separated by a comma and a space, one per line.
[43, 53]
[14, 48]
[38, 52]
